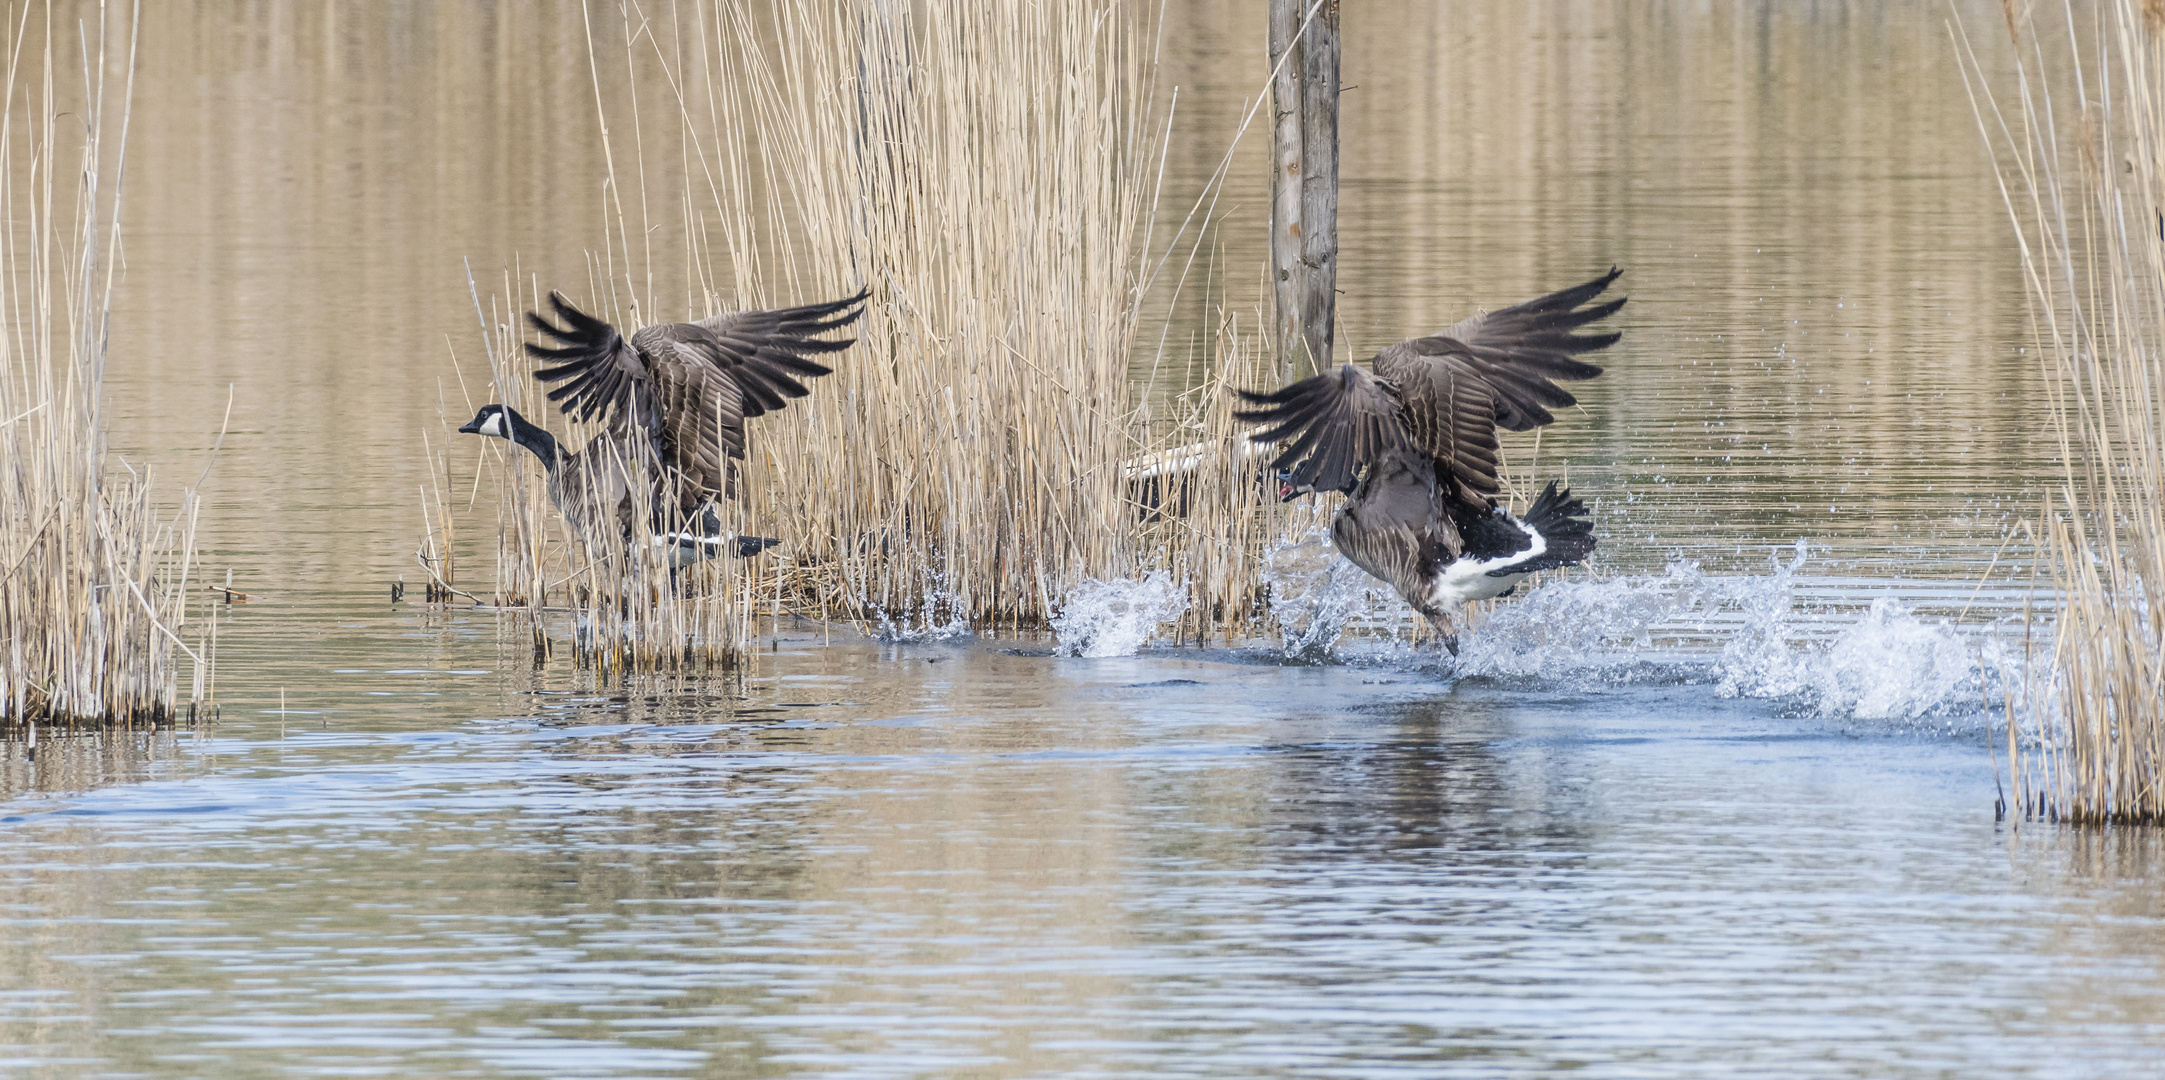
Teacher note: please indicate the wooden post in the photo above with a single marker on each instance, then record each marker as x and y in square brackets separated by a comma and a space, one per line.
[1304, 181]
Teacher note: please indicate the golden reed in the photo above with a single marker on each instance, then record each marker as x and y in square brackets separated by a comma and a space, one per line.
[2080, 145]
[990, 169]
[93, 572]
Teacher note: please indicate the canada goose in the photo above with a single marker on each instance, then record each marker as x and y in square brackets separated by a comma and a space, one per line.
[675, 398]
[1414, 445]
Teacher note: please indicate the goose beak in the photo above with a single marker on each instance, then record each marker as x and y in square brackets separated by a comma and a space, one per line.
[470, 427]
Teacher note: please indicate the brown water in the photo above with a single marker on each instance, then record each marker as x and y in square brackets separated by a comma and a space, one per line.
[1697, 821]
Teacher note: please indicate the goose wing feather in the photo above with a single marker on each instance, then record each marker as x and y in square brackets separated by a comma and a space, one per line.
[1498, 369]
[691, 386]
[767, 351]
[1444, 394]
[1450, 410]
[1332, 424]
[1525, 349]
[602, 373]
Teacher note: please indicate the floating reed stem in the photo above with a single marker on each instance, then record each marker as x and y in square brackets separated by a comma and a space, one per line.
[93, 572]
[2081, 155]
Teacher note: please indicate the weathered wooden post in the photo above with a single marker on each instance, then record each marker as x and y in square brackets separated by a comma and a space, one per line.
[1304, 180]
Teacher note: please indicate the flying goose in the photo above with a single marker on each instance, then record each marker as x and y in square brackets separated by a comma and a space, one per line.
[1414, 445]
[675, 398]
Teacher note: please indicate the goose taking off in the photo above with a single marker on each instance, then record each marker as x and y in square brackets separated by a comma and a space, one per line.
[675, 398]
[1414, 445]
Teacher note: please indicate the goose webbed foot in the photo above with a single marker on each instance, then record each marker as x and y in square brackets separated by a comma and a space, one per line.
[1445, 627]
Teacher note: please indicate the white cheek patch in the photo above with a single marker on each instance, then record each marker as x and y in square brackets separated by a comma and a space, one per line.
[495, 426]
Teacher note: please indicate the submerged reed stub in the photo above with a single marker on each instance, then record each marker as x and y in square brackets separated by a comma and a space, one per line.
[93, 571]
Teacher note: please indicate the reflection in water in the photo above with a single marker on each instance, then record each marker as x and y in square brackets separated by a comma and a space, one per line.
[404, 851]
[63, 760]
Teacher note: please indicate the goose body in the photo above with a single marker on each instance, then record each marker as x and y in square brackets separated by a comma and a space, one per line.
[674, 399]
[1413, 445]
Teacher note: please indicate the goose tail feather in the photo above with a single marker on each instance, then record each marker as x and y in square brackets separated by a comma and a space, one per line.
[1565, 526]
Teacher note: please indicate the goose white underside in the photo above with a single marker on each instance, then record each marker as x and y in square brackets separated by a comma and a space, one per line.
[687, 548]
[1465, 580]
[1182, 460]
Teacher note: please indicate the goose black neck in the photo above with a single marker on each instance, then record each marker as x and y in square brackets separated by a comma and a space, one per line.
[533, 437]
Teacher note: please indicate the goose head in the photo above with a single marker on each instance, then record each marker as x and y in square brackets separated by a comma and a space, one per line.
[492, 420]
[1290, 489]
[504, 422]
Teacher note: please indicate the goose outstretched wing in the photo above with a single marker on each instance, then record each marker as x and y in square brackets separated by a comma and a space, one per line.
[1450, 410]
[762, 350]
[1332, 424]
[690, 386]
[1444, 395]
[1498, 369]
[1524, 350]
[608, 376]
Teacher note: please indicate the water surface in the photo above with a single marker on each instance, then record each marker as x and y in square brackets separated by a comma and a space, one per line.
[972, 858]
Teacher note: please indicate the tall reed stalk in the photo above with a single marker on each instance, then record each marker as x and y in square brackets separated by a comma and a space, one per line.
[988, 169]
[2081, 152]
[93, 574]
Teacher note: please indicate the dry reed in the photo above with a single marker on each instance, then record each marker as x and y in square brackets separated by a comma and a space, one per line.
[2084, 180]
[990, 170]
[93, 574]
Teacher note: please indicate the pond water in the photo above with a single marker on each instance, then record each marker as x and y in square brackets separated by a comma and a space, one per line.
[1725, 807]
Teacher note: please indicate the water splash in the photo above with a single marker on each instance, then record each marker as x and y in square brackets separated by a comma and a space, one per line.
[1314, 594]
[939, 615]
[1750, 636]
[1115, 618]
[1626, 628]
[1891, 665]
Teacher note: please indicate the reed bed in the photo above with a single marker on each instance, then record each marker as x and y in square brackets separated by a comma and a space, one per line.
[93, 571]
[2080, 143]
[990, 171]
